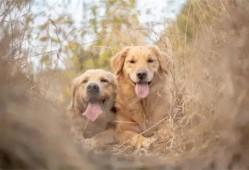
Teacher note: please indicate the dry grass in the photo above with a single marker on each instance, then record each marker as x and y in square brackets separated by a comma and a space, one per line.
[211, 91]
[209, 124]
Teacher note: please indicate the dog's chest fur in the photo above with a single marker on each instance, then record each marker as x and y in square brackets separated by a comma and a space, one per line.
[87, 128]
[147, 113]
[104, 121]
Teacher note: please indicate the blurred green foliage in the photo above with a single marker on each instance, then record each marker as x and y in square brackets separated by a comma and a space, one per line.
[91, 44]
[118, 17]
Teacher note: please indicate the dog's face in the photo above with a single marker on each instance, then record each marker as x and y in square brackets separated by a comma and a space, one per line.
[94, 85]
[140, 64]
[93, 91]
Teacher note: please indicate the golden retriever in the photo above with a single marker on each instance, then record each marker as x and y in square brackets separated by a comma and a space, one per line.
[143, 96]
[92, 105]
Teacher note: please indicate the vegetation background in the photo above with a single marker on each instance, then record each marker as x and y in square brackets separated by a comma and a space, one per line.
[210, 74]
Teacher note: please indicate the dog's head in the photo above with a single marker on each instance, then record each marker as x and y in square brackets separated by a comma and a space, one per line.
[141, 64]
[92, 92]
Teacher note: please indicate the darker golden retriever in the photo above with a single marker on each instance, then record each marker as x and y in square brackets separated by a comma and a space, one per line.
[92, 106]
[143, 96]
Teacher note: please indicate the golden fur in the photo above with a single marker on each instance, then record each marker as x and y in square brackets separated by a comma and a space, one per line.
[104, 125]
[136, 115]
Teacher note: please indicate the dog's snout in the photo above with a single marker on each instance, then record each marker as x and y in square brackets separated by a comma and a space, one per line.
[93, 87]
[141, 75]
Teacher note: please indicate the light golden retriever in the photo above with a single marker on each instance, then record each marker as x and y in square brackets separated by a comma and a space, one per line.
[92, 109]
[143, 96]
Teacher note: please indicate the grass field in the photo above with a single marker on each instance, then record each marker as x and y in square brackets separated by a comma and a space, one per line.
[208, 127]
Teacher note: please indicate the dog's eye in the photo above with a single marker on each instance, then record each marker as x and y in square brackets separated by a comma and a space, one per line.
[150, 60]
[104, 80]
[132, 61]
[84, 81]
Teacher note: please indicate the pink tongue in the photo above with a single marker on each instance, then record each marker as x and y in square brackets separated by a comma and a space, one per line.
[142, 90]
[92, 111]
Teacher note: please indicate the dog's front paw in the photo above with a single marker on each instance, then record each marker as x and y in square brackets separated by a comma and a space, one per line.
[143, 142]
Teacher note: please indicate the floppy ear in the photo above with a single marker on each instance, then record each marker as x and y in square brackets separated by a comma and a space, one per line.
[73, 92]
[114, 83]
[164, 59]
[112, 78]
[117, 61]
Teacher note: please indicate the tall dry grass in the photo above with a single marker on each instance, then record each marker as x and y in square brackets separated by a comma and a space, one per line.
[211, 85]
[209, 124]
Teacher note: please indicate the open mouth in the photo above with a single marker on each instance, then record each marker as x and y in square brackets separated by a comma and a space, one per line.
[141, 82]
[94, 99]
[94, 109]
[142, 89]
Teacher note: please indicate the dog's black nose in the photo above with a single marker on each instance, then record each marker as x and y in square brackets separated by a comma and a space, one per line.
[142, 75]
[92, 87]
